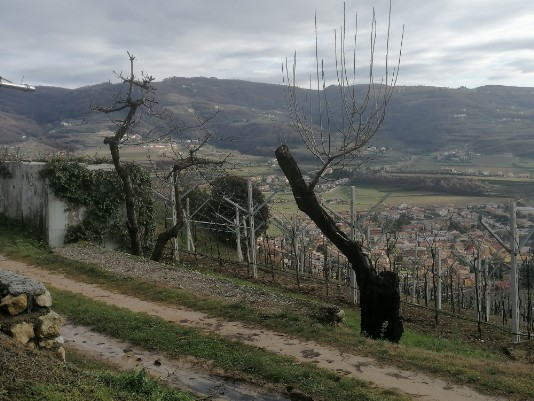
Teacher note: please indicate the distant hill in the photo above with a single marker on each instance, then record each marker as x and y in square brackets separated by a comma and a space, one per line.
[253, 117]
[489, 120]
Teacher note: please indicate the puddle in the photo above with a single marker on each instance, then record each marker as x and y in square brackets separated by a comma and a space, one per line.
[177, 373]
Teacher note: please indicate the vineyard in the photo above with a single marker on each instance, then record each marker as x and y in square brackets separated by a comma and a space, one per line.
[467, 274]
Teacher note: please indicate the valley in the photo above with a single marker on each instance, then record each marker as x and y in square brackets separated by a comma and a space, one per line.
[443, 161]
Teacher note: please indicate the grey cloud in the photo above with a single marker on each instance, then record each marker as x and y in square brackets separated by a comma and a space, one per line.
[75, 43]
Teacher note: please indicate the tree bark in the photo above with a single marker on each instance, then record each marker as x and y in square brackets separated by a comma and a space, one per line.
[163, 238]
[129, 194]
[379, 293]
[167, 235]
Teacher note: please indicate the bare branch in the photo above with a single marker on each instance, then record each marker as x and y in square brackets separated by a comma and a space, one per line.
[344, 127]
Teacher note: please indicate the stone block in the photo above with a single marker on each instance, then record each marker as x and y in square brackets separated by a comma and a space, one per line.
[44, 300]
[53, 343]
[14, 305]
[49, 325]
[60, 352]
[22, 332]
[15, 284]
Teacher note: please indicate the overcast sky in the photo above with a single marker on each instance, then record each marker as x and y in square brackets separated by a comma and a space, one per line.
[450, 43]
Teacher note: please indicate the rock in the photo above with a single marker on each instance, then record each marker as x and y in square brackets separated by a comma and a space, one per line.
[49, 325]
[14, 305]
[48, 344]
[22, 332]
[340, 315]
[16, 284]
[52, 343]
[60, 352]
[44, 300]
[330, 315]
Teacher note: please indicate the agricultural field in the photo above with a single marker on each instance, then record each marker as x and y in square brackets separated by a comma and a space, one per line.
[505, 164]
[506, 177]
[501, 189]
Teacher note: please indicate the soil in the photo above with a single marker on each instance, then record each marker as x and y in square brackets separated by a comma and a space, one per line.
[415, 317]
[188, 374]
[414, 384]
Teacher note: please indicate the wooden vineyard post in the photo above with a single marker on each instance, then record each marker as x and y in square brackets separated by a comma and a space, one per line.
[353, 284]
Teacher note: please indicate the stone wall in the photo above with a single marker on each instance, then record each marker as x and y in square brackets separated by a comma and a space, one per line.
[25, 313]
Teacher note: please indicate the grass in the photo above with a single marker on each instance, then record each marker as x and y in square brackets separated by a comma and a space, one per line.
[223, 354]
[30, 375]
[480, 162]
[367, 197]
[450, 359]
[502, 189]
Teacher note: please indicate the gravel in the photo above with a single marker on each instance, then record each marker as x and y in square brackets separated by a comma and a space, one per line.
[184, 278]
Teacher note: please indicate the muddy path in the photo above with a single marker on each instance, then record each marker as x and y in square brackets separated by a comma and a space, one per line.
[184, 373]
[416, 385]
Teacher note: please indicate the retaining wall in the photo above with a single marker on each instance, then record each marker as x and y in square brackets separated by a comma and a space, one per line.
[27, 197]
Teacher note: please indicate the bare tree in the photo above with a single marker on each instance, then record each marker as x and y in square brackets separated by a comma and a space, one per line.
[336, 141]
[136, 104]
[181, 165]
[139, 95]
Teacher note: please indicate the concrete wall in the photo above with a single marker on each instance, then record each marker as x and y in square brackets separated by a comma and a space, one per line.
[26, 197]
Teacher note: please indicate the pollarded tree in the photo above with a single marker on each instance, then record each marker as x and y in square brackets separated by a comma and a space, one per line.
[344, 126]
[182, 165]
[139, 97]
[135, 111]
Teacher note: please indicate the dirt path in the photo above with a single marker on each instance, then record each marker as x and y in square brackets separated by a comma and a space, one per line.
[418, 386]
[185, 373]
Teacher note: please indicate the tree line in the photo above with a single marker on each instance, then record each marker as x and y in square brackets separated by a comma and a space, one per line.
[441, 184]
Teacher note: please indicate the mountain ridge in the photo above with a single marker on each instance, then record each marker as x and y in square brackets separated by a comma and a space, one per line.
[253, 117]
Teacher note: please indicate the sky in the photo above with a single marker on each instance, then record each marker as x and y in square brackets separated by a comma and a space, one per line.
[446, 43]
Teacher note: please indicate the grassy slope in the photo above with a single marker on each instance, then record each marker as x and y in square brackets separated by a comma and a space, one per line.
[27, 374]
[464, 364]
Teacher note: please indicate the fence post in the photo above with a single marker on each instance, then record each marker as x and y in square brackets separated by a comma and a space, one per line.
[238, 234]
[175, 255]
[252, 235]
[187, 219]
[476, 266]
[514, 276]
[487, 289]
[438, 288]
[414, 270]
[353, 284]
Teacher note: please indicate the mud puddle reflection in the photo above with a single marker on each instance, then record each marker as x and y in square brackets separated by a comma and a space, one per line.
[181, 374]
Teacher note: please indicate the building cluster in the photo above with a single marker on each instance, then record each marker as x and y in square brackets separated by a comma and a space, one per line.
[409, 240]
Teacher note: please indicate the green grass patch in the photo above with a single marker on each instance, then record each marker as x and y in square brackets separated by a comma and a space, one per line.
[38, 376]
[158, 335]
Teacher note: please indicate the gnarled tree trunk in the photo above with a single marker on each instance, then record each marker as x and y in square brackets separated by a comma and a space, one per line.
[172, 232]
[379, 293]
[129, 195]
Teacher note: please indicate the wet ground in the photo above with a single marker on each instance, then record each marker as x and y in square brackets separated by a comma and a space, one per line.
[182, 374]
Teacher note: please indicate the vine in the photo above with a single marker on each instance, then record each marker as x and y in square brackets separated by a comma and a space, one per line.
[100, 193]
